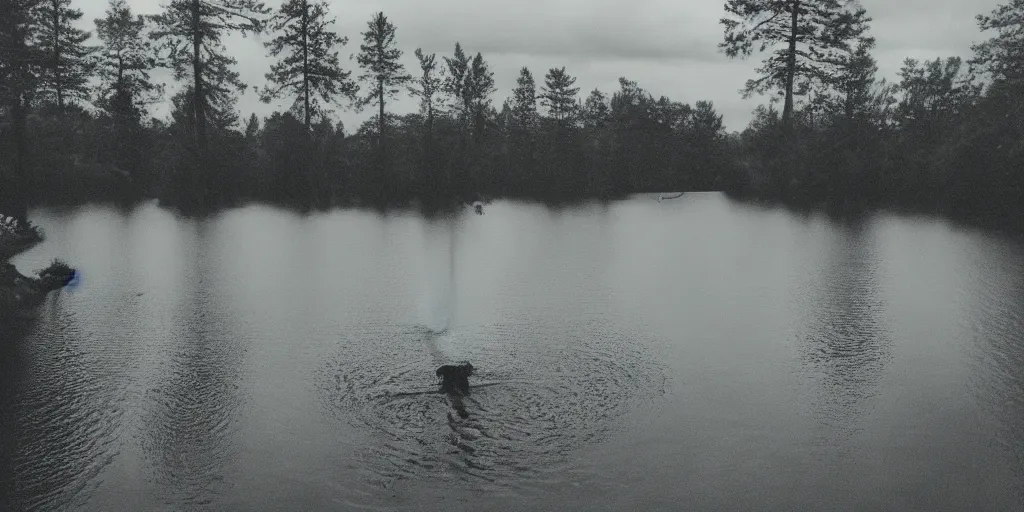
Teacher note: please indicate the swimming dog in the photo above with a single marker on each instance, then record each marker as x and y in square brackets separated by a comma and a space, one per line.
[455, 377]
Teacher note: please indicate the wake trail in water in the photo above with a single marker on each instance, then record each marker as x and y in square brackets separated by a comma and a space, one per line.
[441, 293]
[543, 393]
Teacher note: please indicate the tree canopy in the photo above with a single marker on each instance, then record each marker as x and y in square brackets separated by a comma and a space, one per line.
[309, 69]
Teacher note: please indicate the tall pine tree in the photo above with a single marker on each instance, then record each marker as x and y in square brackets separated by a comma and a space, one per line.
[803, 36]
[427, 87]
[523, 123]
[19, 64]
[67, 65]
[383, 73]
[478, 91]
[524, 102]
[190, 34]
[309, 70]
[455, 83]
[595, 111]
[124, 63]
[559, 95]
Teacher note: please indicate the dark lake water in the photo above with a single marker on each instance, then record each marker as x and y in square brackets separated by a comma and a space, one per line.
[689, 354]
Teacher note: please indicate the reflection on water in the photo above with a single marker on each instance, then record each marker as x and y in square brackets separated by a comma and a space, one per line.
[641, 355]
[845, 340]
[440, 251]
[190, 412]
[59, 417]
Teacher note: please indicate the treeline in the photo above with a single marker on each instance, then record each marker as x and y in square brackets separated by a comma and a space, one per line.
[75, 121]
[946, 136]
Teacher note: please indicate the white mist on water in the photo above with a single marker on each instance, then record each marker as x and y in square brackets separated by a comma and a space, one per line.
[440, 296]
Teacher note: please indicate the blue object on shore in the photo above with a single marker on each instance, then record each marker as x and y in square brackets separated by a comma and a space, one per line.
[74, 280]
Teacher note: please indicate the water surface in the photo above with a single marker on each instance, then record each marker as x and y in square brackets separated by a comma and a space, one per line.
[686, 354]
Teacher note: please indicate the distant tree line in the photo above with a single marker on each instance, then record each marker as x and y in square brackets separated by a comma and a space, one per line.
[946, 136]
[75, 121]
[75, 125]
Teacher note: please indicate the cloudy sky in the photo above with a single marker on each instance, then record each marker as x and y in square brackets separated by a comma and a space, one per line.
[668, 46]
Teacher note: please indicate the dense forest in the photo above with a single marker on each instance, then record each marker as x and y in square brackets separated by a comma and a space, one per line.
[947, 136]
[75, 125]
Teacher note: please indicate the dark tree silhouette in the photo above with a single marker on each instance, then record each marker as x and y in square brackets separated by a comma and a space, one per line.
[942, 138]
[124, 62]
[595, 112]
[455, 83]
[67, 66]
[478, 90]
[384, 74]
[524, 102]
[802, 35]
[19, 70]
[310, 67]
[190, 34]
[523, 122]
[559, 95]
[1002, 55]
[252, 127]
[427, 87]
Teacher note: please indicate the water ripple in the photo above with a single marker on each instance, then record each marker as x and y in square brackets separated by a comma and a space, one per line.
[537, 397]
[67, 423]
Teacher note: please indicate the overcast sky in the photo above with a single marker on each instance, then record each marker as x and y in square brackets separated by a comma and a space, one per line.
[668, 46]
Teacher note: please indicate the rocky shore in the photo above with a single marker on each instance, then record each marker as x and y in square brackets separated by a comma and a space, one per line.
[20, 293]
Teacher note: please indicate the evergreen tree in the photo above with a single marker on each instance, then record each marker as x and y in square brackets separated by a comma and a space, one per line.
[595, 111]
[596, 118]
[124, 63]
[854, 81]
[67, 65]
[706, 123]
[1002, 56]
[252, 128]
[19, 65]
[478, 90]
[379, 58]
[802, 35]
[559, 95]
[427, 87]
[310, 66]
[455, 82]
[183, 113]
[523, 124]
[524, 102]
[934, 93]
[190, 34]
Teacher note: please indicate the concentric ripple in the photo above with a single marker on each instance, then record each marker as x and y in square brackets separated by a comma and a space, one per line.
[536, 397]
